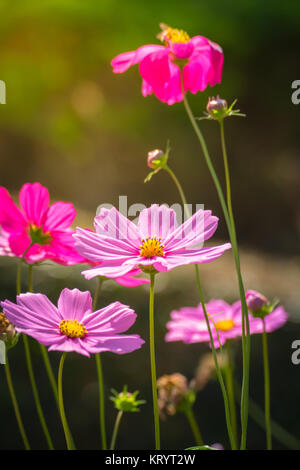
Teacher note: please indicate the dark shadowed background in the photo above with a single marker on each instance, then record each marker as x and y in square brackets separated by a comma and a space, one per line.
[83, 132]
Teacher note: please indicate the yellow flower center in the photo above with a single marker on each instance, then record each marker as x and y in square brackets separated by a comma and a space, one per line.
[151, 247]
[176, 35]
[72, 328]
[225, 325]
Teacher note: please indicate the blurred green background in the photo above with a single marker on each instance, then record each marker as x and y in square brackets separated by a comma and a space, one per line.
[83, 132]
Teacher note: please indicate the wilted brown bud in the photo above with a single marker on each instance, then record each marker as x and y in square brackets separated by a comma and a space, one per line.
[7, 329]
[216, 104]
[172, 390]
[154, 158]
[206, 370]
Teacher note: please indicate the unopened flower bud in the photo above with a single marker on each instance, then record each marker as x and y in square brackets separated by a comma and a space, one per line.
[256, 301]
[154, 158]
[216, 105]
[126, 401]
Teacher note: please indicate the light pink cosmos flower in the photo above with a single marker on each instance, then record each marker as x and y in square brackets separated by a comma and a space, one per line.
[72, 325]
[188, 324]
[156, 242]
[36, 221]
[159, 65]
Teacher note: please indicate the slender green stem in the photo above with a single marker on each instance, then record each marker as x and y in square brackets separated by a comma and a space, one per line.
[15, 404]
[69, 440]
[153, 365]
[9, 378]
[245, 318]
[101, 401]
[100, 376]
[218, 370]
[232, 235]
[227, 413]
[31, 373]
[180, 190]
[35, 392]
[230, 389]
[194, 426]
[116, 429]
[267, 388]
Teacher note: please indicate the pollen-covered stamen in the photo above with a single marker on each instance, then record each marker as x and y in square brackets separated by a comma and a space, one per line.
[173, 35]
[224, 325]
[151, 247]
[72, 328]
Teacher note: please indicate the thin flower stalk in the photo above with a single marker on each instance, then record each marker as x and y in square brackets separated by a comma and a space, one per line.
[29, 361]
[69, 440]
[194, 426]
[267, 388]
[100, 377]
[153, 364]
[15, 405]
[116, 429]
[219, 373]
[232, 235]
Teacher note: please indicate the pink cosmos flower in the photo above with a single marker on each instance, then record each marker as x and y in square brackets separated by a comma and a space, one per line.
[159, 65]
[156, 242]
[72, 325]
[188, 324]
[46, 227]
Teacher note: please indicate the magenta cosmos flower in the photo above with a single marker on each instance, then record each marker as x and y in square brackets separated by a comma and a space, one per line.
[155, 243]
[36, 222]
[201, 61]
[72, 325]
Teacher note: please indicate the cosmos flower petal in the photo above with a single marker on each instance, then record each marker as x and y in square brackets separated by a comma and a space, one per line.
[123, 61]
[119, 344]
[74, 304]
[34, 200]
[31, 309]
[11, 218]
[97, 248]
[65, 344]
[154, 68]
[157, 221]
[196, 230]
[107, 271]
[111, 223]
[60, 216]
[115, 318]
